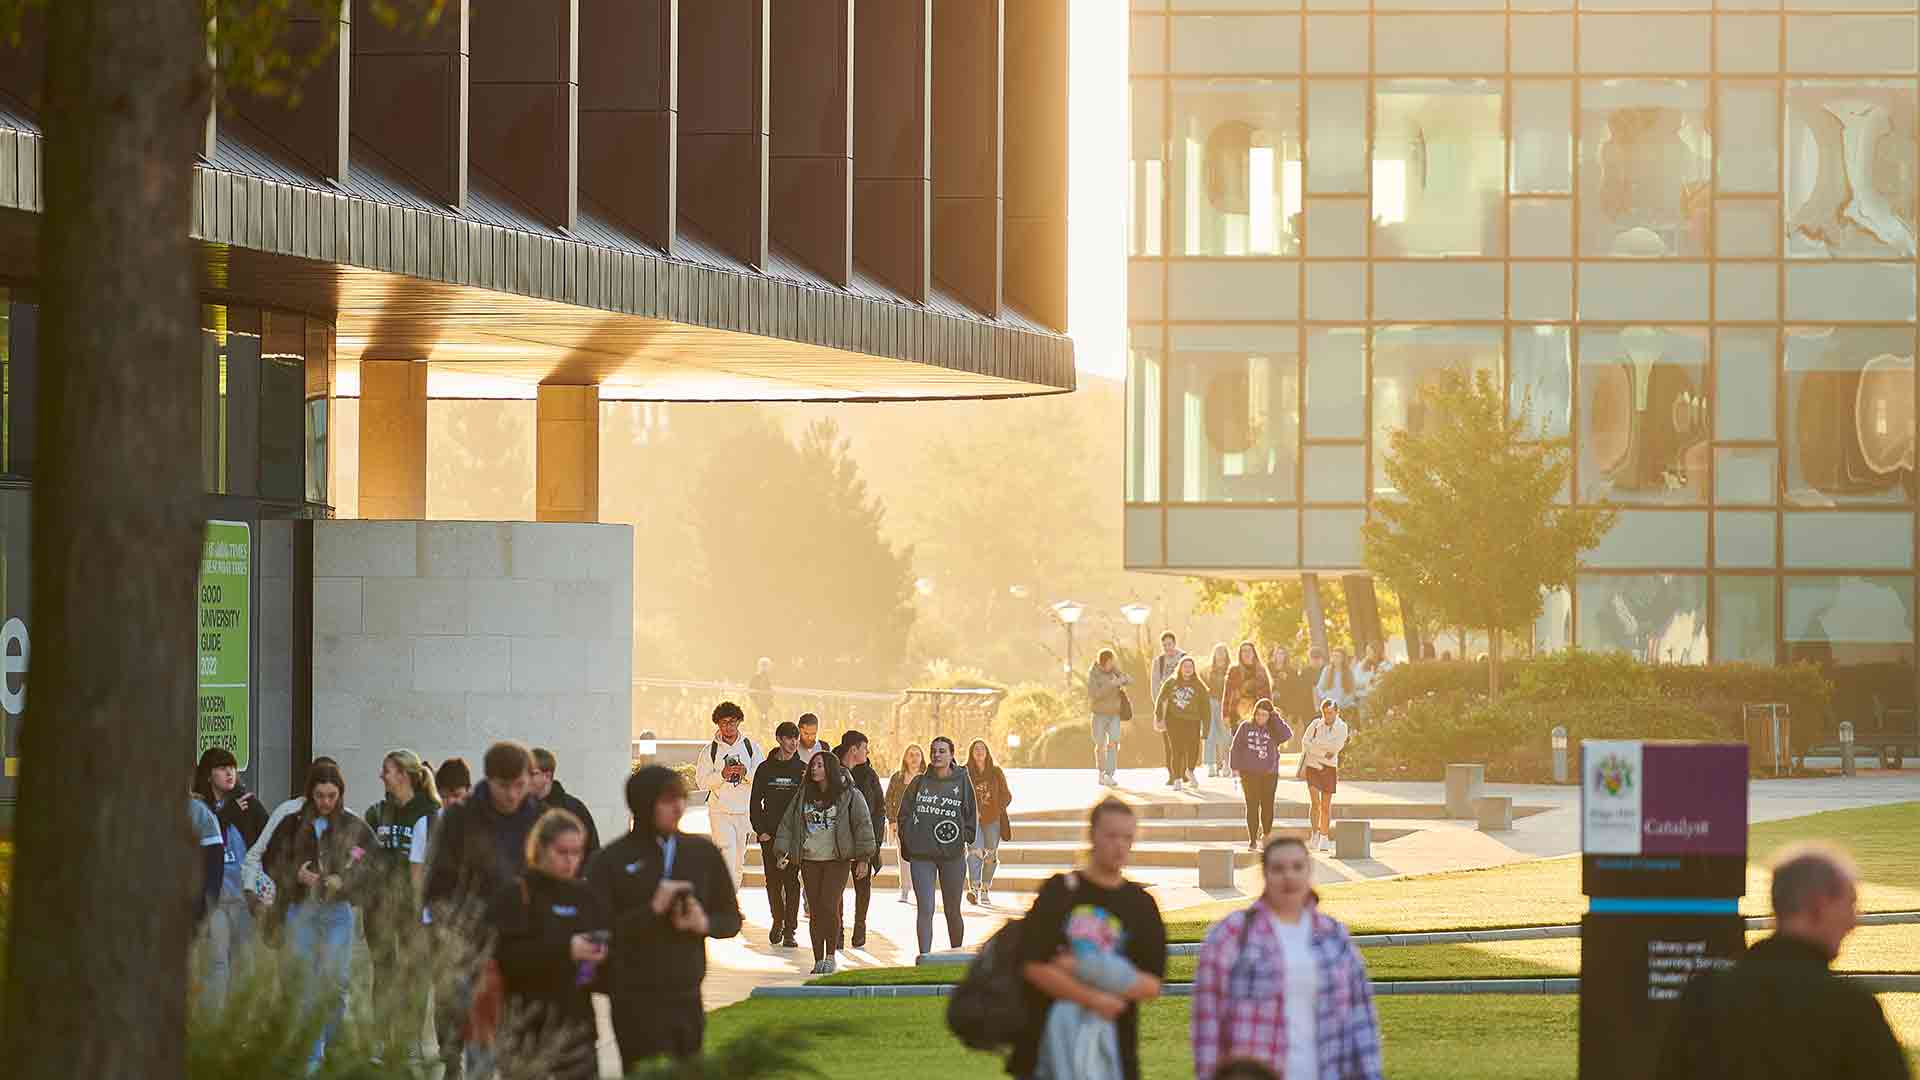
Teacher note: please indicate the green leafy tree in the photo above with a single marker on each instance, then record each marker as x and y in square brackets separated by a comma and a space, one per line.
[794, 561]
[1477, 532]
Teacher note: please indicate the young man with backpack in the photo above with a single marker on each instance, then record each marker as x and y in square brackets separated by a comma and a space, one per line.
[1092, 916]
[724, 769]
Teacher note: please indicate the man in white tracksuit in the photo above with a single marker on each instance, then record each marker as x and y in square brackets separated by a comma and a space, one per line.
[724, 769]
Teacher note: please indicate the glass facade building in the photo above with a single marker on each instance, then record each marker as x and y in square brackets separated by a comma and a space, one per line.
[1682, 233]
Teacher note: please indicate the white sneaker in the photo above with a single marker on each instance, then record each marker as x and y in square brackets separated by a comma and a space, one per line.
[1326, 842]
[1313, 841]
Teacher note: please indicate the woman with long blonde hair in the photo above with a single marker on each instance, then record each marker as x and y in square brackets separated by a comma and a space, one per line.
[913, 762]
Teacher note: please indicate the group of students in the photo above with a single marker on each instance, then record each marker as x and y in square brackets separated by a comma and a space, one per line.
[822, 817]
[1236, 704]
[504, 880]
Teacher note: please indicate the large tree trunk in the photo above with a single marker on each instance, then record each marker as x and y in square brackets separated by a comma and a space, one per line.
[104, 867]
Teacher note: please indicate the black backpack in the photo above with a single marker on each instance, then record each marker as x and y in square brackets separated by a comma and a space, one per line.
[988, 1010]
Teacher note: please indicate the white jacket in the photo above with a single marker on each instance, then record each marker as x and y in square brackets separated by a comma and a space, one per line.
[251, 870]
[1321, 744]
[724, 796]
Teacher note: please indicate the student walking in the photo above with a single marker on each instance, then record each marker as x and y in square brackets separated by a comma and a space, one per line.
[913, 762]
[1097, 914]
[724, 769]
[991, 798]
[551, 934]
[1107, 697]
[852, 752]
[938, 822]
[554, 796]
[319, 860]
[826, 829]
[453, 780]
[1336, 681]
[1281, 983]
[1164, 664]
[253, 876]
[1320, 747]
[1256, 759]
[401, 823]
[1219, 732]
[1247, 683]
[242, 821]
[810, 741]
[666, 892]
[775, 783]
[1183, 709]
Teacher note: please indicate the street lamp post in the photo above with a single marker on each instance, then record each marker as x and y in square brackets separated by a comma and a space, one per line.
[1069, 612]
[1138, 613]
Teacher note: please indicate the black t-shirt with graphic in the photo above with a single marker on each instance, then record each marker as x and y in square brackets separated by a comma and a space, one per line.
[1125, 920]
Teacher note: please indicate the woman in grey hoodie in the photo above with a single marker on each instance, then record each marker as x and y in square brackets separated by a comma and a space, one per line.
[938, 822]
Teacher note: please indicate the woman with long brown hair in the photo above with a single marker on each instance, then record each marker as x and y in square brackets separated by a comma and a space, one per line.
[991, 796]
[827, 829]
[1247, 682]
[913, 762]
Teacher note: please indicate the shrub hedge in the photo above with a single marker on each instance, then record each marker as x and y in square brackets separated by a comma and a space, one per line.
[1421, 716]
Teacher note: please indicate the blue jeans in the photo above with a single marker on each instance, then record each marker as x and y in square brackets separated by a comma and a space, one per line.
[1217, 738]
[229, 932]
[322, 933]
[1106, 743]
[983, 858]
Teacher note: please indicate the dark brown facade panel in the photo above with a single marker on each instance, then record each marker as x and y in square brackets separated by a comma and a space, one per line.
[23, 67]
[724, 135]
[409, 96]
[523, 71]
[968, 98]
[628, 100]
[892, 158]
[810, 198]
[311, 125]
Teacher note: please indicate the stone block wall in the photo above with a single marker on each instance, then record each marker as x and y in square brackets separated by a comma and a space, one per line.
[446, 636]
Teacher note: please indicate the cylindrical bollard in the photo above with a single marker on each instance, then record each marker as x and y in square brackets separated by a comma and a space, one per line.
[1560, 754]
[1846, 748]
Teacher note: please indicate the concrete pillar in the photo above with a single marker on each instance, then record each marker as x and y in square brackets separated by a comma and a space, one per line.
[567, 454]
[393, 439]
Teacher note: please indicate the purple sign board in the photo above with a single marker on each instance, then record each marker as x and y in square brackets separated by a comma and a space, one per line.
[1663, 819]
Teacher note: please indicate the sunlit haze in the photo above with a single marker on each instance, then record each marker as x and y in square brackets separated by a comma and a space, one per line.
[1097, 115]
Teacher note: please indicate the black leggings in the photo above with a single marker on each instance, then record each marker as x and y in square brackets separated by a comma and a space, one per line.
[862, 894]
[826, 884]
[1259, 790]
[783, 889]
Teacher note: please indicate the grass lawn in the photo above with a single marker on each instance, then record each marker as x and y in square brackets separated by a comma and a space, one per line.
[1884, 839]
[1870, 949]
[1426, 1038]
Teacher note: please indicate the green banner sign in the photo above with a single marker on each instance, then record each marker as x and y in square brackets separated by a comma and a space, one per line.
[226, 642]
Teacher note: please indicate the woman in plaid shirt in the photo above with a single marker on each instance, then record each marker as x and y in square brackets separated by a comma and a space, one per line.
[1281, 984]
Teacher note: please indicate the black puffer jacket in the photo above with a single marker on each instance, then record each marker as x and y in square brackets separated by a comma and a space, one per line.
[534, 920]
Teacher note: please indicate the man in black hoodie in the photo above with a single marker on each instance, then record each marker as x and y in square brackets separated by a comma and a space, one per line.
[775, 783]
[546, 788]
[852, 753]
[668, 892]
[480, 847]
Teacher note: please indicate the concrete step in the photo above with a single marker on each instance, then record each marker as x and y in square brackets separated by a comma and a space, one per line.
[1212, 809]
[1062, 854]
[1197, 831]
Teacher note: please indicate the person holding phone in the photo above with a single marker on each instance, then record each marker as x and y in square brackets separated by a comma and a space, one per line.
[216, 781]
[551, 937]
[319, 860]
[666, 892]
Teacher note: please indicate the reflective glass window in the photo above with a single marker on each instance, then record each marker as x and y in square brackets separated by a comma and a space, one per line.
[1233, 413]
[1744, 476]
[283, 406]
[1336, 474]
[1543, 137]
[1236, 162]
[1744, 383]
[1851, 178]
[1144, 382]
[1553, 630]
[1850, 415]
[1859, 629]
[1646, 161]
[1644, 418]
[1657, 618]
[1743, 618]
[1147, 49]
[1407, 359]
[19, 376]
[1337, 137]
[1147, 169]
[1439, 154]
[1541, 386]
[319, 408]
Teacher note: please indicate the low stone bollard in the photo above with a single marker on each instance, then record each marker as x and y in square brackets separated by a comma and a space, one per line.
[1463, 786]
[1216, 868]
[1495, 812]
[1353, 839]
